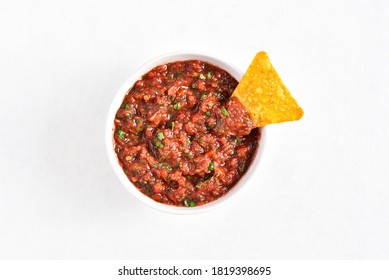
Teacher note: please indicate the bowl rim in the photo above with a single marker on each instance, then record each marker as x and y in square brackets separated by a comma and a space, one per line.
[109, 130]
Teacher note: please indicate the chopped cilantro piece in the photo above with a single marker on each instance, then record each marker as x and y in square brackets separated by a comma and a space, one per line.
[188, 155]
[172, 125]
[179, 73]
[193, 85]
[127, 106]
[170, 75]
[160, 136]
[209, 75]
[242, 168]
[202, 77]
[177, 106]
[208, 113]
[225, 112]
[158, 144]
[211, 166]
[166, 166]
[188, 141]
[121, 134]
[190, 203]
[238, 140]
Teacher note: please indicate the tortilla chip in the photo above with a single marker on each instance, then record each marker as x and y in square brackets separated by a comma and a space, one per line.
[264, 95]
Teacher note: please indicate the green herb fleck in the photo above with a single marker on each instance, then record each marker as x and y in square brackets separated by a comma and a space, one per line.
[238, 140]
[242, 168]
[179, 73]
[177, 106]
[190, 203]
[172, 125]
[188, 155]
[208, 113]
[225, 112]
[209, 75]
[170, 75]
[158, 144]
[202, 77]
[121, 134]
[193, 85]
[203, 95]
[160, 136]
[166, 166]
[211, 166]
[188, 141]
[127, 106]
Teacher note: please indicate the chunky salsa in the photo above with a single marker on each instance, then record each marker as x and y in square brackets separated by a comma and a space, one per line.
[179, 137]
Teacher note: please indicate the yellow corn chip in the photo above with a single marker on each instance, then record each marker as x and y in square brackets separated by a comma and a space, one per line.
[264, 95]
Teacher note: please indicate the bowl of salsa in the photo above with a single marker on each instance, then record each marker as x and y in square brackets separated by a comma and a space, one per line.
[176, 139]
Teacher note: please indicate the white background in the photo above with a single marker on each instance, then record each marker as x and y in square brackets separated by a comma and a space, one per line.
[321, 192]
[109, 269]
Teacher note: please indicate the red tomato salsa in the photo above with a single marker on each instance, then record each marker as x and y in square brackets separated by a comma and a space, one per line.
[179, 137]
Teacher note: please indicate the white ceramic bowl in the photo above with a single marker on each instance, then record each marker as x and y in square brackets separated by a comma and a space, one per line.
[117, 101]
